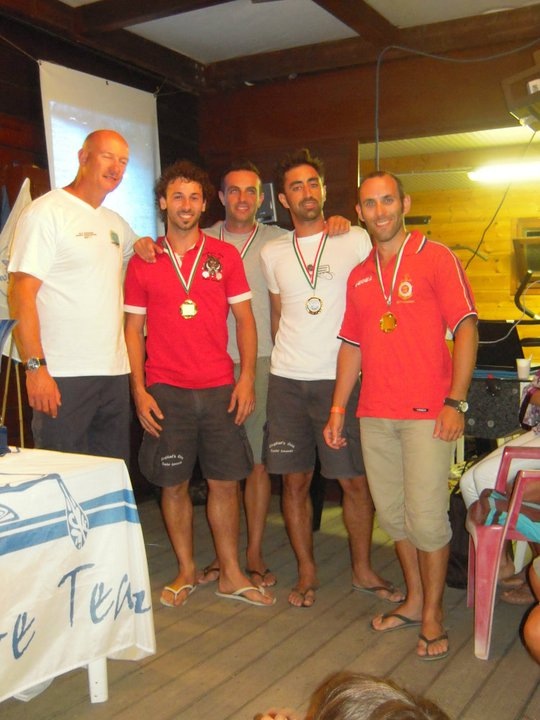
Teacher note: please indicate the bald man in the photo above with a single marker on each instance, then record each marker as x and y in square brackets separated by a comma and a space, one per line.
[65, 292]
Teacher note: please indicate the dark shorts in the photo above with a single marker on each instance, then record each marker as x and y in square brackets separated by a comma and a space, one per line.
[297, 414]
[93, 418]
[196, 424]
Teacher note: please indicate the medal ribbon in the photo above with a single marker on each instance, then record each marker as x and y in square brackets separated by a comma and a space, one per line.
[176, 266]
[388, 298]
[311, 277]
[248, 242]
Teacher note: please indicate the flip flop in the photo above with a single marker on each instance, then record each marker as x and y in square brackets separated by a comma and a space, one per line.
[303, 594]
[175, 593]
[203, 578]
[262, 576]
[406, 622]
[240, 597]
[438, 656]
[375, 589]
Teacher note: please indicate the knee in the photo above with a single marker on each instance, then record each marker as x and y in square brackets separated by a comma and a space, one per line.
[531, 633]
[297, 486]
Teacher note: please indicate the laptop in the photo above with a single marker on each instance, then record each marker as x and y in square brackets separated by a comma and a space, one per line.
[498, 348]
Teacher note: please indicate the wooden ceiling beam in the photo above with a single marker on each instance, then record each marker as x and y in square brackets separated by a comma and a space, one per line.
[108, 15]
[59, 20]
[481, 31]
[363, 19]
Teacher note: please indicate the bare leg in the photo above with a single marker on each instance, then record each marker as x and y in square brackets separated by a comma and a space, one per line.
[298, 514]
[358, 512]
[433, 567]
[177, 513]
[413, 603]
[256, 502]
[224, 518]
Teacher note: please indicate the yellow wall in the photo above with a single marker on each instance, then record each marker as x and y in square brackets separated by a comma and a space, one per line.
[459, 217]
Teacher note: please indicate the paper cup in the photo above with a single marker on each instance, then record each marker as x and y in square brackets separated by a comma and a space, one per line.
[523, 368]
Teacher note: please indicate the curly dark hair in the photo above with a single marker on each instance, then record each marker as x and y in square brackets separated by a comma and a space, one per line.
[189, 172]
[293, 160]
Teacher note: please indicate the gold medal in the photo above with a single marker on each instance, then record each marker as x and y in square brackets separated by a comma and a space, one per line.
[314, 305]
[188, 309]
[388, 322]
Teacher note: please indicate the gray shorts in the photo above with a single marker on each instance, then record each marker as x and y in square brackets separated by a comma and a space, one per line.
[196, 424]
[297, 413]
[255, 422]
[93, 418]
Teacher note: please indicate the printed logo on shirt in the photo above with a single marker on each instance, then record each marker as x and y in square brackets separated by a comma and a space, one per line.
[367, 279]
[115, 239]
[86, 235]
[405, 289]
[325, 272]
[421, 410]
[212, 268]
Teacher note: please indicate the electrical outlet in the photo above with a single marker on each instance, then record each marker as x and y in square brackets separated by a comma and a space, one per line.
[533, 86]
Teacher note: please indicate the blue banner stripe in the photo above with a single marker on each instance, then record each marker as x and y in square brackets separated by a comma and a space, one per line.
[59, 529]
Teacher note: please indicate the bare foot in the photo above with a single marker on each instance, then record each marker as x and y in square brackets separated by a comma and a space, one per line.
[302, 598]
[176, 595]
[432, 648]
[248, 594]
[384, 592]
[209, 574]
[264, 577]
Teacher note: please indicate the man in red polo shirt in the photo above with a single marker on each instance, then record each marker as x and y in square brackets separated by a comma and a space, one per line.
[186, 398]
[400, 302]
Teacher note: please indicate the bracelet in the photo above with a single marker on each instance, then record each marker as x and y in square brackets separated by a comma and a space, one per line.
[337, 409]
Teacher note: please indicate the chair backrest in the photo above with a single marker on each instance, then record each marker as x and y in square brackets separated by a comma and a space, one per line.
[513, 452]
[518, 511]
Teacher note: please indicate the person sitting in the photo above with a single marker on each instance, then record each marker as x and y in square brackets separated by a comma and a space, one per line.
[482, 476]
[355, 696]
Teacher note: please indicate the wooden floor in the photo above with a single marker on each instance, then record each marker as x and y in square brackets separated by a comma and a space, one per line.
[219, 660]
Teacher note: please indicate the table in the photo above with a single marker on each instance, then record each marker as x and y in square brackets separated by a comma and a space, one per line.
[494, 402]
[75, 586]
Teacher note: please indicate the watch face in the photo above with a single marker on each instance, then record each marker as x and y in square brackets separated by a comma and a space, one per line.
[463, 406]
[33, 363]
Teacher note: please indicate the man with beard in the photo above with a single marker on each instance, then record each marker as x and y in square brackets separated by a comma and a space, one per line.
[185, 394]
[306, 272]
[400, 302]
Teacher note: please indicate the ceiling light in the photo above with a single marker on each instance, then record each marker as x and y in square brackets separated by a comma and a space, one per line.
[511, 172]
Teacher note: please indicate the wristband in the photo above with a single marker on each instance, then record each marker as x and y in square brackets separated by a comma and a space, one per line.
[337, 409]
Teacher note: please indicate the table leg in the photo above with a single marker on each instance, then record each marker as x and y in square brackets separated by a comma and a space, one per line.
[97, 680]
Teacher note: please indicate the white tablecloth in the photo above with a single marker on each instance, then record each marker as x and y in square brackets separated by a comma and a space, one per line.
[74, 576]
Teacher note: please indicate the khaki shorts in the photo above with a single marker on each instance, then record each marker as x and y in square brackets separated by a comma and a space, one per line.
[407, 471]
[297, 414]
[196, 423]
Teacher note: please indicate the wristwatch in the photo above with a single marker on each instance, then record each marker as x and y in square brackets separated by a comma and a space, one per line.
[460, 405]
[34, 363]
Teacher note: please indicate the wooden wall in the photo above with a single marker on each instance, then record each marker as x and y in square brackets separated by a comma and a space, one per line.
[332, 113]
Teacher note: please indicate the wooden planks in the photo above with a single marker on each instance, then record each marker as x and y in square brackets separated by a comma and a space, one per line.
[226, 661]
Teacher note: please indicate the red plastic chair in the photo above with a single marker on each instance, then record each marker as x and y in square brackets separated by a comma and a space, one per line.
[486, 542]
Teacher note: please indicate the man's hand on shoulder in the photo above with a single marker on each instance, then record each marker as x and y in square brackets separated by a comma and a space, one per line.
[337, 225]
[147, 249]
